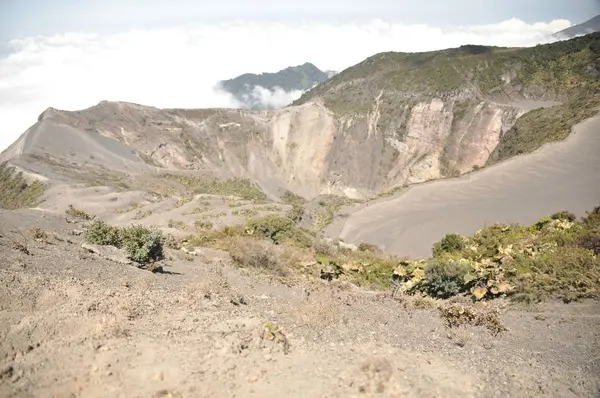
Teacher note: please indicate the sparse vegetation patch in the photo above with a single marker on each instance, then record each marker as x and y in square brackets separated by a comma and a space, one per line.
[291, 198]
[16, 191]
[245, 212]
[542, 126]
[203, 225]
[555, 257]
[241, 187]
[253, 253]
[177, 225]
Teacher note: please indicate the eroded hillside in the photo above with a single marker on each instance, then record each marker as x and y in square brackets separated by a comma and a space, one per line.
[470, 98]
[304, 148]
[391, 120]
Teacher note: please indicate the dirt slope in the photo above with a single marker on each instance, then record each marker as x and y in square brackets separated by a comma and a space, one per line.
[74, 324]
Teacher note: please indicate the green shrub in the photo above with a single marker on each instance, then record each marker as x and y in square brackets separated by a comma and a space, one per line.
[141, 244]
[275, 228]
[564, 215]
[245, 212]
[302, 238]
[101, 233]
[177, 225]
[489, 239]
[371, 269]
[446, 277]
[449, 244]
[330, 268]
[554, 257]
[39, 235]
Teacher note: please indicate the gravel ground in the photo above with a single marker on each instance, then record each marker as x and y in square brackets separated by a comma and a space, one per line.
[74, 324]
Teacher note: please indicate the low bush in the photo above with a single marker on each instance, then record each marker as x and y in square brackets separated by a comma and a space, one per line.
[139, 243]
[296, 213]
[449, 244]
[367, 268]
[566, 272]
[592, 220]
[177, 225]
[39, 235]
[275, 228]
[564, 215]
[245, 212]
[446, 278]
[101, 233]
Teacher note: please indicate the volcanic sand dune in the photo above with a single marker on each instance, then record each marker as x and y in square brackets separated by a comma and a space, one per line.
[80, 147]
[559, 176]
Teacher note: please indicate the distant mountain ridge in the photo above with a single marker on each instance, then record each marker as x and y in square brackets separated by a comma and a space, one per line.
[282, 87]
[587, 27]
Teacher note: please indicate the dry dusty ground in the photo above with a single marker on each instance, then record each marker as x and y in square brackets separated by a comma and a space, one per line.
[73, 324]
[559, 176]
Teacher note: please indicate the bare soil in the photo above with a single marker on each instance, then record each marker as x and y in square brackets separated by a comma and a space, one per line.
[76, 325]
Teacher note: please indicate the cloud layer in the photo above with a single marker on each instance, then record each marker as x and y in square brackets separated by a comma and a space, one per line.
[266, 98]
[179, 67]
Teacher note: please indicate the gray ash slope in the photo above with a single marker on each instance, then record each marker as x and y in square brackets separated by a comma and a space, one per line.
[590, 26]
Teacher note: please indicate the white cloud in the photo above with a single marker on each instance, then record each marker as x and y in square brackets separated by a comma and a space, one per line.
[179, 67]
[266, 98]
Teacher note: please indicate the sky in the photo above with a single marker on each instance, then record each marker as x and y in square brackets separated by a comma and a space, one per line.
[72, 54]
